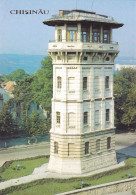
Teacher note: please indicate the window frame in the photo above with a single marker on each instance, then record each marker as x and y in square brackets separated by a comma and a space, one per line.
[107, 117]
[59, 82]
[57, 117]
[96, 33]
[70, 31]
[85, 119]
[85, 83]
[85, 34]
[108, 143]
[108, 34]
[59, 33]
[86, 148]
[107, 82]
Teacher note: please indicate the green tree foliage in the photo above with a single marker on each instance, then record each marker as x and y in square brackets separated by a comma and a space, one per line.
[36, 88]
[36, 125]
[43, 83]
[15, 76]
[125, 98]
[1, 79]
[6, 122]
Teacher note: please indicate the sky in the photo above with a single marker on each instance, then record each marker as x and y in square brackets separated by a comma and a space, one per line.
[26, 34]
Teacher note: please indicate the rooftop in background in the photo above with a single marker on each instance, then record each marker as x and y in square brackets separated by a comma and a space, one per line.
[119, 67]
[75, 15]
[10, 86]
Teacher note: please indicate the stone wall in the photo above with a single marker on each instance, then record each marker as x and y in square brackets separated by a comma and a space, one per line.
[103, 189]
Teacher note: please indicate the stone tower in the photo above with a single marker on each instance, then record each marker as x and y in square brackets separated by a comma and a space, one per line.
[82, 134]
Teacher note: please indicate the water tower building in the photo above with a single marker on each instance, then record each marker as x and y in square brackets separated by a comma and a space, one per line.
[82, 133]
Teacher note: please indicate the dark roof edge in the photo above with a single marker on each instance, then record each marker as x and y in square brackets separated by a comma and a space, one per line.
[58, 22]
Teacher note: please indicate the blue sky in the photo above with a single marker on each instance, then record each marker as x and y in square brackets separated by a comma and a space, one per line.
[26, 34]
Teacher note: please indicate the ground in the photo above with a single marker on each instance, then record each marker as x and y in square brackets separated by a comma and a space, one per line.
[125, 144]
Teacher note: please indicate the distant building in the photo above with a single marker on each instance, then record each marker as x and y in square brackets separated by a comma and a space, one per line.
[9, 86]
[17, 108]
[1, 102]
[119, 67]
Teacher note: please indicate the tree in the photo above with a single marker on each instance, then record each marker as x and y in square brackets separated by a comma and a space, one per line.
[15, 76]
[125, 98]
[35, 126]
[6, 122]
[43, 84]
[23, 96]
[36, 88]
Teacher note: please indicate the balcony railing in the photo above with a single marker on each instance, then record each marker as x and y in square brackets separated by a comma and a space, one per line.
[112, 46]
[64, 41]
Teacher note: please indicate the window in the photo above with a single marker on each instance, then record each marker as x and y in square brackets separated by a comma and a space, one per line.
[107, 59]
[72, 33]
[107, 82]
[86, 147]
[58, 117]
[71, 84]
[85, 117]
[71, 119]
[59, 35]
[84, 83]
[108, 142]
[97, 83]
[56, 147]
[85, 34]
[106, 36]
[71, 149]
[97, 145]
[85, 58]
[59, 82]
[96, 35]
[97, 117]
[107, 114]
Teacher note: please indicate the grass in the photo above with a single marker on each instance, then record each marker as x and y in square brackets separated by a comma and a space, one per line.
[11, 170]
[54, 186]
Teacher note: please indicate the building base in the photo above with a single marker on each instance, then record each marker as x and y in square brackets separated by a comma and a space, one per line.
[80, 166]
[71, 156]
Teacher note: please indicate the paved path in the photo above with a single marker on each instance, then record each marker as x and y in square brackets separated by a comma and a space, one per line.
[126, 143]
[42, 172]
[26, 151]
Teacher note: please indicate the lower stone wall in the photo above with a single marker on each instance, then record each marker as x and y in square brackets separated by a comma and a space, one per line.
[103, 189]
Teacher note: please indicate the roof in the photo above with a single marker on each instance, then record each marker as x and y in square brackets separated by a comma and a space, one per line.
[10, 85]
[82, 16]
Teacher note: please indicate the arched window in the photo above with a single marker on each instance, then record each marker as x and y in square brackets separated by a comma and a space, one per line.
[97, 145]
[59, 82]
[58, 117]
[108, 142]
